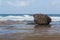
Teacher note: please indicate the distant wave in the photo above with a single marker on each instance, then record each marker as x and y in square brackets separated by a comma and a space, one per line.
[24, 18]
[17, 18]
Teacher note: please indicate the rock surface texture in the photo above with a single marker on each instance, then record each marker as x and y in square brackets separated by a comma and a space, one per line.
[41, 19]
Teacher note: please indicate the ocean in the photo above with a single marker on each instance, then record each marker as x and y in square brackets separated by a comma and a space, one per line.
[27, 17]
[28, 31]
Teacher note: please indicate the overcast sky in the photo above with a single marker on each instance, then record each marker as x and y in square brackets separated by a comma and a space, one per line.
[29, 6]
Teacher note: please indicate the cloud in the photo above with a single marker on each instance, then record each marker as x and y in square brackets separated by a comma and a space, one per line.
[56, 2]
[0, 2]
[20, 3]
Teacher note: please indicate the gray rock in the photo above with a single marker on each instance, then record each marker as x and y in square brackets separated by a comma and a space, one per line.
[41, 19]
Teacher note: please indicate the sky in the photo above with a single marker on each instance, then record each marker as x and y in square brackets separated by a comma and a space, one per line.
[29, 6]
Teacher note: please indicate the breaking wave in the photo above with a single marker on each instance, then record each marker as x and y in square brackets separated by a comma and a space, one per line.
[24, 18]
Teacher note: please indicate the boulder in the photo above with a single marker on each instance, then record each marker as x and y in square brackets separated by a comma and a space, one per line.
[41, 19]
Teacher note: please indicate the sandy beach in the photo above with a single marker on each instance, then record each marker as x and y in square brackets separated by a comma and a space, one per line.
[29, 32]
[29, 19]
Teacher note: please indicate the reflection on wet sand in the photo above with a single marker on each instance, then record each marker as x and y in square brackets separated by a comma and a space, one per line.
[30, 32]
[42, 27]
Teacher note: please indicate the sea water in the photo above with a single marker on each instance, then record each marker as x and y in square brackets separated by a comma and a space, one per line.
[29, 29]
[27, 17]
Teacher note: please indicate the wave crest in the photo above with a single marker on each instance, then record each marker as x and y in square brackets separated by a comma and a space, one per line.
[24, 17]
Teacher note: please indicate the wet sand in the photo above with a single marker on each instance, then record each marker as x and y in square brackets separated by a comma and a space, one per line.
[29, 32]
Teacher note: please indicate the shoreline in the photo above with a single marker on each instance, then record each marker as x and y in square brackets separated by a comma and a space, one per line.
[18, 31]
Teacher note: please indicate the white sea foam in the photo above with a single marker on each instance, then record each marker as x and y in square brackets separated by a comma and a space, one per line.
[17, 18]
[24, 18]
[55, 18]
